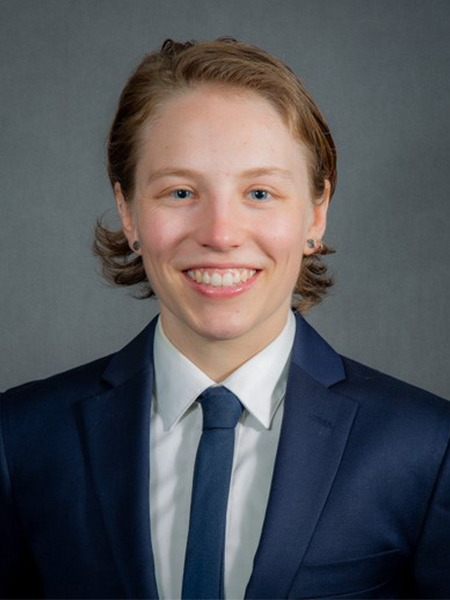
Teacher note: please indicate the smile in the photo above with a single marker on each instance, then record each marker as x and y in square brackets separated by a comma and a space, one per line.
[227, 278]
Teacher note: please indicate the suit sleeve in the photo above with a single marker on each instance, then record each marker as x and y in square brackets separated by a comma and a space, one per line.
[432, 557]
[18, 573]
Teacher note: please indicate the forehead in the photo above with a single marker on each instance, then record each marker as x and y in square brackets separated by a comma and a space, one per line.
[216, 126]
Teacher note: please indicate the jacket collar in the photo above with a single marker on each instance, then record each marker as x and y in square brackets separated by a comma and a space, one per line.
[316, 425]
[315, 356]
[310, 352]
[135, 357]
[116, 434]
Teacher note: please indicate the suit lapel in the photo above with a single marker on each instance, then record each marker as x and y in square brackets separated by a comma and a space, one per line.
[116, 425]
[315, 429]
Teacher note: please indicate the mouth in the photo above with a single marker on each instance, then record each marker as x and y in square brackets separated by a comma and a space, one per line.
[221, 283]
[221, 278]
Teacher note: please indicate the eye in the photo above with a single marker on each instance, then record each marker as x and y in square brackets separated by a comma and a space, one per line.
[259, 195]
[181, 194]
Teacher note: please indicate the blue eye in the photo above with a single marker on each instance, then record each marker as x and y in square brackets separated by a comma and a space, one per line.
[259, 195]
[181, 194]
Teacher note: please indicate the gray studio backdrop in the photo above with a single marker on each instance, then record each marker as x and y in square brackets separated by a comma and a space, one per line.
[379, 69]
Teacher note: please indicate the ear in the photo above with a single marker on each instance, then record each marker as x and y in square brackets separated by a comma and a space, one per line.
[126, 216]
[318, 224]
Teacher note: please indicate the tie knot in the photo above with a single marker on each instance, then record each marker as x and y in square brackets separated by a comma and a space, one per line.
[221, 408]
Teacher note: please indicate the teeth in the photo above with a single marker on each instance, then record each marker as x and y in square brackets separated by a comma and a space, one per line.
[229, 279]
[216, 280]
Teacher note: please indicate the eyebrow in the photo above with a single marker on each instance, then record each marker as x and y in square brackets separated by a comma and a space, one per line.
[256, 172]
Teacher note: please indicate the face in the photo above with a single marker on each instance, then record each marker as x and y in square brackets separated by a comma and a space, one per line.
[222, 211]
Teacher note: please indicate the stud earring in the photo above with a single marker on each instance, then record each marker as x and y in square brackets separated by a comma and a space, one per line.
[315, 245]
[136, 245]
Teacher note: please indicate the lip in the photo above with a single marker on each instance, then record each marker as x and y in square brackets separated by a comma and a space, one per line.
[209, 291]
[218, 268]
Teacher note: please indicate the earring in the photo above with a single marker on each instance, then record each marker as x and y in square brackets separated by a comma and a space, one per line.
[314, 245]
[136, 245]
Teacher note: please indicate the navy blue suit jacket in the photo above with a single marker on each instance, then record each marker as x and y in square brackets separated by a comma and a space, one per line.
[359, 505]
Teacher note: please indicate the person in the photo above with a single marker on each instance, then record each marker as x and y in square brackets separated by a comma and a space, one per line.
[227, 451]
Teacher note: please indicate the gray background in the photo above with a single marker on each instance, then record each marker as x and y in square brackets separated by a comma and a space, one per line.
[379, 69]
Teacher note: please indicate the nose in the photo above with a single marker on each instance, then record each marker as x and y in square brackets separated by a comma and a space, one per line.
[221, 225]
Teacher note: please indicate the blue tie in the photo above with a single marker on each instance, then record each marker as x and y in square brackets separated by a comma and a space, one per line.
[204, 562]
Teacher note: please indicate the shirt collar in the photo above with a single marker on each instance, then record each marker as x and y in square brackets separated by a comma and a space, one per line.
[260, 383]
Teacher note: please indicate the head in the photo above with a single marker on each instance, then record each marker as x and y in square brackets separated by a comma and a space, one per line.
[237, 70]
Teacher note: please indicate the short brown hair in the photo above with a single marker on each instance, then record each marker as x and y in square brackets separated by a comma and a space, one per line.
[178, 67]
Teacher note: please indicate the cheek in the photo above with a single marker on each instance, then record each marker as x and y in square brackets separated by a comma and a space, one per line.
[284, 238]
[159, 233]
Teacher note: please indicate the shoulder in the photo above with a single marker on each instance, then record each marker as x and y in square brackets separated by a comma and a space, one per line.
[364, 381]
[39, 420]
[63, 387]
[394, 406]
[374, 391]
[52, 401]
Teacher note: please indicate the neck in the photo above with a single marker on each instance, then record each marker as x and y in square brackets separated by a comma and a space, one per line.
[219, 358]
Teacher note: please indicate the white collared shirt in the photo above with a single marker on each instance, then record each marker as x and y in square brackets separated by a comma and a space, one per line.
[175, 430]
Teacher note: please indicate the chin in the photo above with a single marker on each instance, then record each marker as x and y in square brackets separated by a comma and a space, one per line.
[222, 328]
